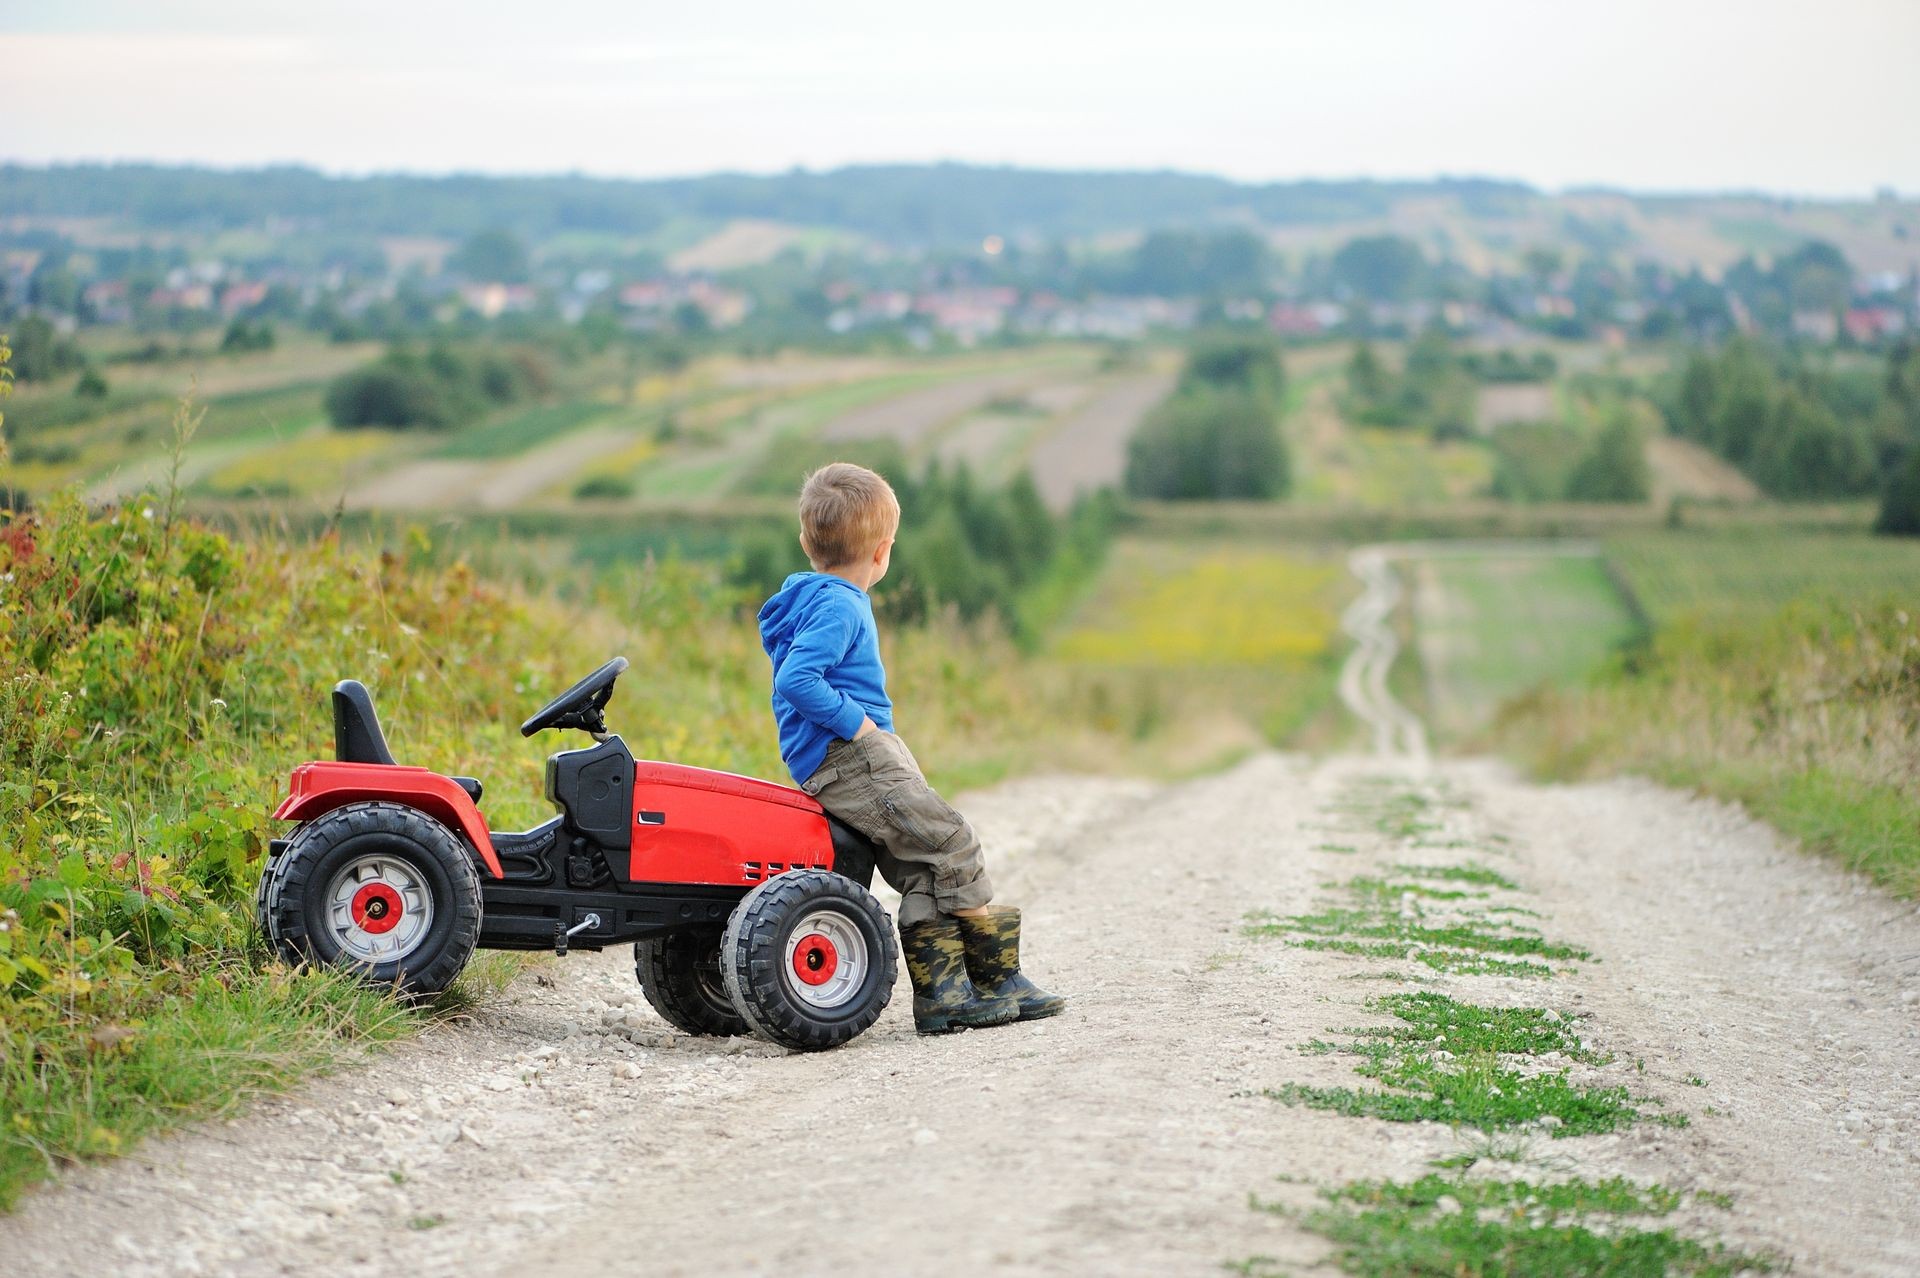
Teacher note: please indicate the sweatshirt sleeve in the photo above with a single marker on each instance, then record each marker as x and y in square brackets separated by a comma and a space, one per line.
[818, 647]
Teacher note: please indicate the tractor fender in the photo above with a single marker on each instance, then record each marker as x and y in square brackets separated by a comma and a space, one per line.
[320, 787]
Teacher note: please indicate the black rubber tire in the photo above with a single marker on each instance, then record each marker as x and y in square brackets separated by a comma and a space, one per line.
[680, 975]
[262, 920]
[296, 893]
[753, 959]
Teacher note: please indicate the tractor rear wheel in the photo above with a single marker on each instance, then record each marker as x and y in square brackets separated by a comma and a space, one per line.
[680, 975]
[381, 889]
[809, 959]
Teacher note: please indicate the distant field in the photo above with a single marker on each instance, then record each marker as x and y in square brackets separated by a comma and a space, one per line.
[1749, 572]
[1210, 648]
[1490, 626]
[1338, 463]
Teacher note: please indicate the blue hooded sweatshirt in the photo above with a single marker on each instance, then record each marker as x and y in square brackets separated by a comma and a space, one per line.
[827, 674]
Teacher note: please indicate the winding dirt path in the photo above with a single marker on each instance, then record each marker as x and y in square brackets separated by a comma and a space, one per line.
[1771, 999]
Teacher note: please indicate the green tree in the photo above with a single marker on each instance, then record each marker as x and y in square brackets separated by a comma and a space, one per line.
[1174, 263]
[1208, 445]
[1807, 453]
[1239, 361]
[1614, 467]
[1382, 268]
[496, 256]
[1367, 377]
[92, 385]
[1699, 399]
[1900, 506]
[1815, 277]
[40, 354]
[242, 335]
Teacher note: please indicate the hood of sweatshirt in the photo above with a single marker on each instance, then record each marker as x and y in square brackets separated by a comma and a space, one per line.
[780, 614]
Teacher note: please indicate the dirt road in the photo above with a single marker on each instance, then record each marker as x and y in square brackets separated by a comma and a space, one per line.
[1769, 999]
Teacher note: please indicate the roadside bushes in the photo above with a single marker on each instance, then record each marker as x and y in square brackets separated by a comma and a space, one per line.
[1806, 715]
[1216, 437]
[435, 391]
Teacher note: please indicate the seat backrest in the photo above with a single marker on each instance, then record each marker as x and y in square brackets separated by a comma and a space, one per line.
[356, 728]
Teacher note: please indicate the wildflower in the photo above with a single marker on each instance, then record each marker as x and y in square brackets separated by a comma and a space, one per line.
[218, 704]
[146, 512]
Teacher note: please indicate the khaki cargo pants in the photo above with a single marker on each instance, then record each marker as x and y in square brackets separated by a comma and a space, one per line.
[928, 852]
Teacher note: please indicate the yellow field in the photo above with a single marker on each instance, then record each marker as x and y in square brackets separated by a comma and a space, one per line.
[319, 462]
[1224, 606]
[1197, 652]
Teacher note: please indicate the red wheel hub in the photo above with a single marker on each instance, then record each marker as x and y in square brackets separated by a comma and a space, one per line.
[814, 959]
[377, 908]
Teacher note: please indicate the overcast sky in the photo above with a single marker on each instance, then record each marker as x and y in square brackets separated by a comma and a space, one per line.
[1795, 97]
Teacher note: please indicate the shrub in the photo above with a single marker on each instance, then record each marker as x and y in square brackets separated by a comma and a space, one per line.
[244, 336]
[432, 392]
[1614, 467]
[604, 488]
[1900, 507]
[1217, 437]
[1208, 445]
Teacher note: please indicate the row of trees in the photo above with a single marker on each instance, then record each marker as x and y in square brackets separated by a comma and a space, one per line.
[440, 389]
[972, 547]
[1800, 431]
[1217, 437]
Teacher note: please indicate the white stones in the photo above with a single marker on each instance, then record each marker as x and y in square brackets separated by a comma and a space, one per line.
[626, 1069]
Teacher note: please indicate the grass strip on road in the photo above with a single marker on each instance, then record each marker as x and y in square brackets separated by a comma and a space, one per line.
[1457, 1227]
[1457, 1063]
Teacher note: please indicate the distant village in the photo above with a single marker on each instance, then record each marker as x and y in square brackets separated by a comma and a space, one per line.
[415, 284]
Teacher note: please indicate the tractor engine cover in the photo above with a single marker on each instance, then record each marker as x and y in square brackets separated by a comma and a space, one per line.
[693, 825]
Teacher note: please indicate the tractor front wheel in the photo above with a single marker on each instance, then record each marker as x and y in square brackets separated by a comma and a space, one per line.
[809, 959]
[381, 889]
[680, 975]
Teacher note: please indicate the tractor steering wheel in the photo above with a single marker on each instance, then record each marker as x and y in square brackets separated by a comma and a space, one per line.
[581, 705]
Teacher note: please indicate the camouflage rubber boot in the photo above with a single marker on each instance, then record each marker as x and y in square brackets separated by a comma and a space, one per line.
[993, 963]
[943, 998]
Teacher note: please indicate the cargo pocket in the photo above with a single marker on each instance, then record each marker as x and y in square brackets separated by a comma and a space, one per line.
[922, 816]
[822, 777]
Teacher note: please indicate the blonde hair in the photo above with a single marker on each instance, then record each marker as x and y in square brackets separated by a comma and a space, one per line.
[845, 511]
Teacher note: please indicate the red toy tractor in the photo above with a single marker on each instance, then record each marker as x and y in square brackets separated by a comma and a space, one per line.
[746, 903]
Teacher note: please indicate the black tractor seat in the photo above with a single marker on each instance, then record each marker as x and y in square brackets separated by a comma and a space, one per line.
[357, 737]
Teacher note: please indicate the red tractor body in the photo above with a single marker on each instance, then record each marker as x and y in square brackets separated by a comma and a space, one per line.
[394, 871]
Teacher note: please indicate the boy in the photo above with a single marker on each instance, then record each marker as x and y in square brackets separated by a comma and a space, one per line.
[836, 735]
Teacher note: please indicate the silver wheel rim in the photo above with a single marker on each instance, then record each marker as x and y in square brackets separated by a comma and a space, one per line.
[391, 882]
[849, 947]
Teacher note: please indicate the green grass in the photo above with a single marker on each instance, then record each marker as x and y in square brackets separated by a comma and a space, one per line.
[518, 432]
[1446, 929]
[1447, 1061]
[1745, 575]
[1460, 1227]
[202, 1051]
[1476, 874]
[1394, 809]
[1490, 626]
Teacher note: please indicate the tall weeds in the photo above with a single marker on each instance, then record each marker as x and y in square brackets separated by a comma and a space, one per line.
[1811, 718]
